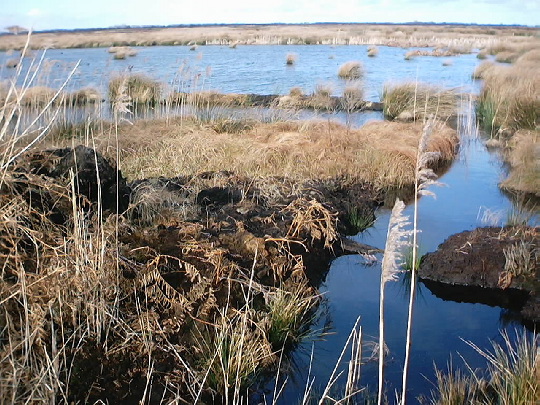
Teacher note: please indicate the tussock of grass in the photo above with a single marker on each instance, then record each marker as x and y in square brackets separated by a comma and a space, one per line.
[290, 315]
[383, 153]
[121, 52]
[353, 96]
[511, 377]
[12, 63]
[296, 92]
[139, 88]
[417, 101]
[482, 69]
[37, 96]
[351, 70]
[509, 97]
[210, 98]
[83, 96]
[523, 155]
[291, 58]
[372, 51]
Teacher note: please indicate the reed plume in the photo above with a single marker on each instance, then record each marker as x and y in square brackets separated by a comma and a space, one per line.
[424, 178]
[395, 241]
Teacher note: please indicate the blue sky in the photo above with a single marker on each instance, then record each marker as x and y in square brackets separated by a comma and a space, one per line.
[68, 14]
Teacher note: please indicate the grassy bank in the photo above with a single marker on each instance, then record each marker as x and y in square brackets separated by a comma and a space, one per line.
[381, 153]
[454, 37]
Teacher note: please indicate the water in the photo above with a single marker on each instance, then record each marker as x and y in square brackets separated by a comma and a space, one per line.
[252, 69]
[440, 328]
[351, 288]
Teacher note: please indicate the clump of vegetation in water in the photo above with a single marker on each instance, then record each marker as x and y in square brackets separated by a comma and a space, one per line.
[372, 51]
[508, 100]
[511, 378]
[138, 88]
[412, 101]
[291, 59]
[351, 70]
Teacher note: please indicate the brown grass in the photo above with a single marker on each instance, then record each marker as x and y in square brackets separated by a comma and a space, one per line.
[330, 34]
[351, 70]
[383, 153]
[509, 97]
[523, 155]
[139, 88]
[417, 101]
[481, 69]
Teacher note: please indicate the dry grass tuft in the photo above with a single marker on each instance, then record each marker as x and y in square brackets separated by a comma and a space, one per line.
[383, 153]
[351, 70]
[482, 69]
[372, 51]
[139, 88]
[37, 96]
[509, 97]
[12, 63]
[413, 101]
[291, 59]
[523, 155]
[353, 96]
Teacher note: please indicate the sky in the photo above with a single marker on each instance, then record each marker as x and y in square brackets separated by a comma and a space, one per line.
[70, 14]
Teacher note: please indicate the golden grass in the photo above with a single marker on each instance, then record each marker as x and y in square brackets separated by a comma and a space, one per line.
[509, 97]
[372, 51]
[140, 89]
[383, 153]
[351, 70]
[523, 155]
[330, 34]
[414, 101]
[210, 98]
[481, 69]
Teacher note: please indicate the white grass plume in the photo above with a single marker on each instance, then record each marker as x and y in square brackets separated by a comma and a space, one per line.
[424, 178]
[395, 241]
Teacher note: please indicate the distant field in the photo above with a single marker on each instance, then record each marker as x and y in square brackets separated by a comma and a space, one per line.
[422, 35]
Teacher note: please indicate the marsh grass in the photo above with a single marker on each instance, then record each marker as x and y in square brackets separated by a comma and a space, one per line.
[141, 89]
[351, 70]
[372, 51]
[381, 152]
[521, 258]
[418, 100]
[522, 155]
[291, 59]
[508, 99]
[291, 314]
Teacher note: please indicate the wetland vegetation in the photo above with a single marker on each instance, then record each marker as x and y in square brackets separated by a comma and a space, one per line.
[158, 247]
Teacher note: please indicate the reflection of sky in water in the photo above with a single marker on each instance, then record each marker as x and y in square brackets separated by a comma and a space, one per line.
[255, 69]
[440, 327]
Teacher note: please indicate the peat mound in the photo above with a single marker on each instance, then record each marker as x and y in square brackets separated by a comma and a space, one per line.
[491, 265]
